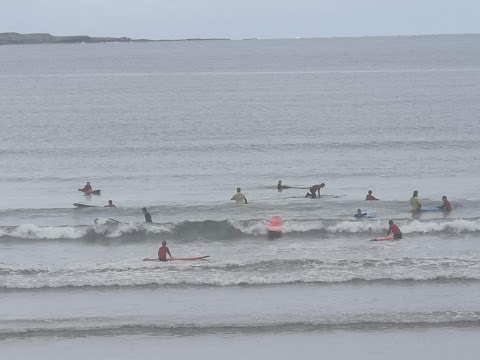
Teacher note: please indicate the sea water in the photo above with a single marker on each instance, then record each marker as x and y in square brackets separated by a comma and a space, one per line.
[176, 127]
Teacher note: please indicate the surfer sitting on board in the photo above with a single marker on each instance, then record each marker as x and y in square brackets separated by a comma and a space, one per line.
[163, 251]
[370, 196]
[397, 234]
[446, 206]
[110, 204]
[313, 190]
[148, 217]
[415, 201]
[87, 188]
[239, 197]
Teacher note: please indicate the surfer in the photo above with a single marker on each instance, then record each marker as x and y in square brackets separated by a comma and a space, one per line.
[415, 201]
[163, 251]
[397, 234]
[359, 214]
[148, 217]
[313, 190]
[446, 206]
[370, 196]
[110, 204]
[239, 197]
[87, 188]
[280, 187]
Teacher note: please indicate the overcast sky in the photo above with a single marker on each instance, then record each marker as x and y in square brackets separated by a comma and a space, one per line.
[159, 19]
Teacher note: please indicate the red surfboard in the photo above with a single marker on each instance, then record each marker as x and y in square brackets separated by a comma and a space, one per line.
[386, 238]
[179, 259]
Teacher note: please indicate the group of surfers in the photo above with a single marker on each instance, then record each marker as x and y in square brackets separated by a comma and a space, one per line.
[88, 190]
[314, 192]
[240, 198]
[415, 203]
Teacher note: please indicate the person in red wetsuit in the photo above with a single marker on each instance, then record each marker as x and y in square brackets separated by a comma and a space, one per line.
[370, 196]
[313, 191]
[446, 206]
[87, 188]
[163, 251]
[397, 234]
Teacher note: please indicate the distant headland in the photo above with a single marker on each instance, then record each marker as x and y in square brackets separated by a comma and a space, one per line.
[44, 38]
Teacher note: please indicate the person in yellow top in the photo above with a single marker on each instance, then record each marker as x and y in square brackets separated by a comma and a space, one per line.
[415, 201]
[239, 197]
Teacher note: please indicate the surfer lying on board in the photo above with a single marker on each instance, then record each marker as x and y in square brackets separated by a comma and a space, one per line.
[148, 217]
[314, 189]
[446, 206]
[415, 201]
[360, 214]
[370, 196]
[280, 187]
[397, 234]
[110, 204]
[163, 251]
[87, 188]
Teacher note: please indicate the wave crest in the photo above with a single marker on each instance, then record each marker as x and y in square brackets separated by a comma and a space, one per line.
[231, 229]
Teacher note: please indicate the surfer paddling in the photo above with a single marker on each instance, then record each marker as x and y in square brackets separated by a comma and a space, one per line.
[163, 251]
[397, 234]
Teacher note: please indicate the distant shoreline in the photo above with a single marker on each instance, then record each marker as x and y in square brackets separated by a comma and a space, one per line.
[12, 38]
[45, 38]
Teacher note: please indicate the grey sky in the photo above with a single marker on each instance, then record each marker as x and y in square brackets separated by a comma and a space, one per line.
[158, 19]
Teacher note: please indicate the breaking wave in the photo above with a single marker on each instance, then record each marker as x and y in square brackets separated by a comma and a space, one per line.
[231, 229]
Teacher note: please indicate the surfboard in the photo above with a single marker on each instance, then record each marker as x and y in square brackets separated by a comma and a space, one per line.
[385, 238]
[321, 197]
[109, 221]
[179, 259]
[79, 205]
[429, 208]
[366, 215]
[94, 192]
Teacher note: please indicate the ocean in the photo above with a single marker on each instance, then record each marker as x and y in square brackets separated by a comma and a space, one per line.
[176, 127]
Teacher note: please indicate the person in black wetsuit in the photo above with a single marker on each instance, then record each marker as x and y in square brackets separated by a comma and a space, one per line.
[280, 187]
[148, 217]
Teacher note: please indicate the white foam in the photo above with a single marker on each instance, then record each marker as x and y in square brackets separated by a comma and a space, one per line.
[30, 231]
